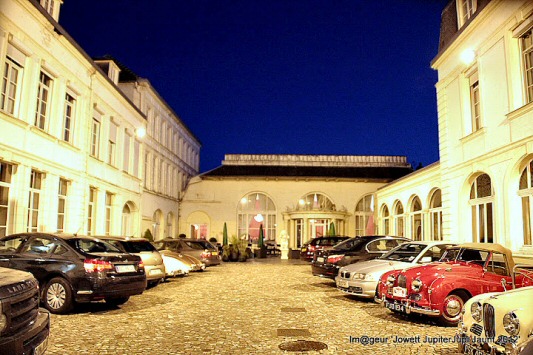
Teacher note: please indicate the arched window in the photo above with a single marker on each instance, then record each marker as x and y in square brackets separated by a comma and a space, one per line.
[170, 225]
[157, 227]
[315, 201]
[417, 222]
[254, 210]
[398, 219]
[435, 213]
[127, 218]
[385, 220]
[481, 201]
[364, 211]
[525, 191]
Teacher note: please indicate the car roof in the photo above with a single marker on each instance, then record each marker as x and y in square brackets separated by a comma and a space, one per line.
[65, 236]
[121, 238]
[491, 247]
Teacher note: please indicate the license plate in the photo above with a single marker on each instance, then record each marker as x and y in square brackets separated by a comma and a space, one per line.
[342, 283]
[399, 292]
[125, 268]
[41, 348]
[304, 250]
[396, 307]
[470, 350]
[214, 253]
[320, 259]
[156, 272]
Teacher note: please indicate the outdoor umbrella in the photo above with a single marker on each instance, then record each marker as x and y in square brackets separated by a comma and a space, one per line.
[332, 229]
[225, 235]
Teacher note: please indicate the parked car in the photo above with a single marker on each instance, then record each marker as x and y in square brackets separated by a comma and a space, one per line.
[24, 327]
[308, 249]
[440, 289]
[152, 260]
[201, 249]
[74, 269]
[327, 262]
[361, 279]
[498, 322]
[175, 267]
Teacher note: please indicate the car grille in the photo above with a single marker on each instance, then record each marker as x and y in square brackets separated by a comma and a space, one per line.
[345, 274]
[477, 329]
[21, 306]
[402, 281]
[488, 320]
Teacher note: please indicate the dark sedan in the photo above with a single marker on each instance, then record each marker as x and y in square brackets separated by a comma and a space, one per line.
[326, 263]
[74, 269]
[308, 249]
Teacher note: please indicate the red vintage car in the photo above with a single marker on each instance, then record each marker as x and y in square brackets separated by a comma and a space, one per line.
[440, 289]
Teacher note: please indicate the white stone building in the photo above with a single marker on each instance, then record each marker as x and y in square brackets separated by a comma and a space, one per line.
[69, 151]
[482, 187]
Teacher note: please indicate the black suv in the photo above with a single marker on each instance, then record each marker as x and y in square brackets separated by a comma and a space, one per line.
[24, 327]
[74, 268]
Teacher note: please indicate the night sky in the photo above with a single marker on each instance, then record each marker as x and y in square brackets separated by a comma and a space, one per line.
[342, 77]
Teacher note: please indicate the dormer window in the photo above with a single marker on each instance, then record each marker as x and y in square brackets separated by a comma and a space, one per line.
[465, 10]
[52, 7]
[110, 68]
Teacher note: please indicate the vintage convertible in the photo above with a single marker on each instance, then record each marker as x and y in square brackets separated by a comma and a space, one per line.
[440, 289]
[499, 323]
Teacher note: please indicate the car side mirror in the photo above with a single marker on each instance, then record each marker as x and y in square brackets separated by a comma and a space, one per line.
[426, 259]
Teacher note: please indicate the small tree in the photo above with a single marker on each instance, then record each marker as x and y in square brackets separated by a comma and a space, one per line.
[148, 235]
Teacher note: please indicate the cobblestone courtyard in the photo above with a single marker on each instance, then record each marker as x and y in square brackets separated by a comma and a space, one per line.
[243, 308]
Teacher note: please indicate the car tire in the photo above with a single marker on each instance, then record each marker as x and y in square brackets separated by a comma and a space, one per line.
[116, 301]
[452, 307]
[57, 296]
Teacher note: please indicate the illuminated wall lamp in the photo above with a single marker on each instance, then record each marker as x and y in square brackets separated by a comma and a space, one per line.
[468, 56]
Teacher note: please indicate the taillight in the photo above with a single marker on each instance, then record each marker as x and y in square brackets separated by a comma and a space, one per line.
[95, 265]
[206, 254]
[141, 264]
[333, 259]
[311, 248]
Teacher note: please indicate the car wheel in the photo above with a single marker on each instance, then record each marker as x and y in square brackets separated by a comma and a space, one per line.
[116, 301]
[452, 307]
[57, 296]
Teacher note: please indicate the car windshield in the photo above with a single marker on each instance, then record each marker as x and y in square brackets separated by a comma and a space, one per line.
[199, 244]
[465, 254]
[350, 244]
[93, 246]
[137, 247]
[405, 252]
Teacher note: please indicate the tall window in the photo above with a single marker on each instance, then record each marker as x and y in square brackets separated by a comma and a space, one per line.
[10, 83]
[254, 210]
[91, 211]
[126, 150]
[43, 100]
[95, 137]
[108, 212]
[112, 143]
[48, 5]
[474, 102]
[127, 220]
[467, 9]
[399, 219]
[526, 194]
[68, 120]
[6, 171]
[62, 204]
[363, 213]
[417, 224]
[435, 213]
[482, 214]
[315, 201]
[36, 180]
[136, 152]
[170, 225]
[526, 44]
[385, 220]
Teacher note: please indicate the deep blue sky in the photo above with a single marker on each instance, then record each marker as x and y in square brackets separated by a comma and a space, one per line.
[346, 77]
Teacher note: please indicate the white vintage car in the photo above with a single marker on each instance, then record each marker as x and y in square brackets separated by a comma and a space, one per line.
[361, 279]
[498, 322]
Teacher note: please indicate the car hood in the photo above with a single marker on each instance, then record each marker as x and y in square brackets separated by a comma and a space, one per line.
[376, 266]
[512, 299]
[12, 276]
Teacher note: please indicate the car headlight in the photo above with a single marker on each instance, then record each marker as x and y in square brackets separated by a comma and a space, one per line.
[416, 285]
[477, 311]
[359, 276]
[3, 320]
[390, 280]
[370, 277]
[511, 323]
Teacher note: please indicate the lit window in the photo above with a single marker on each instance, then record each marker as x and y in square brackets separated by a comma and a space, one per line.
[385, 220]
[126, 162]
[363, 215]
[474, 102]
[417, 222]
[256, 210]
[43, 100]
[112, 143]
[467, 8]
[435, 213]
[70, 105]
[91, 211]
[399, 219]
[36, 180]
[108, 212]
[10, 85]
[62, 204]
[526, 43]
[95, 137]
[482, 214]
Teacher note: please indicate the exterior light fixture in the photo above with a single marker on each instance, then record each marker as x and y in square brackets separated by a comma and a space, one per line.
[468, 56]
[259, 218]
[140, 132]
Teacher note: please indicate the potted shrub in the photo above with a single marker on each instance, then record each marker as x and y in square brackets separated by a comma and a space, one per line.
[262, 251]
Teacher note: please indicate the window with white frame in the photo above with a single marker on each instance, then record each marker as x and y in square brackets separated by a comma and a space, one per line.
[42, 111]
[526, 194]
[126, 150]
[136, 153]
[170, 225]
[91, 211]
[68, 119]
[49, 6]
[435, 215]
[475, 106]
[253, 211]
[62, 204]
[11, 79]
[466, 9]
[385, 220]
[363, 211]
[6, 172]
[95, 136]
[112, 143]
[481, 202]
[108, 212]
[417, 220]
[147, 171]
[398, 215]
[526, 46]
[36, 180]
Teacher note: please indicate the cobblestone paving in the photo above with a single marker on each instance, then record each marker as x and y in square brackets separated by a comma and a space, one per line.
[243, 308]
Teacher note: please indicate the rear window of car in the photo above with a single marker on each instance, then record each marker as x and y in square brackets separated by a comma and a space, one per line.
[93, 246]
[199, 245]
[167, 245]
[137, 247]
[350, 244]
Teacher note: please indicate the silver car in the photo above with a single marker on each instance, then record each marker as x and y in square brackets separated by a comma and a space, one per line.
[361, 279]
